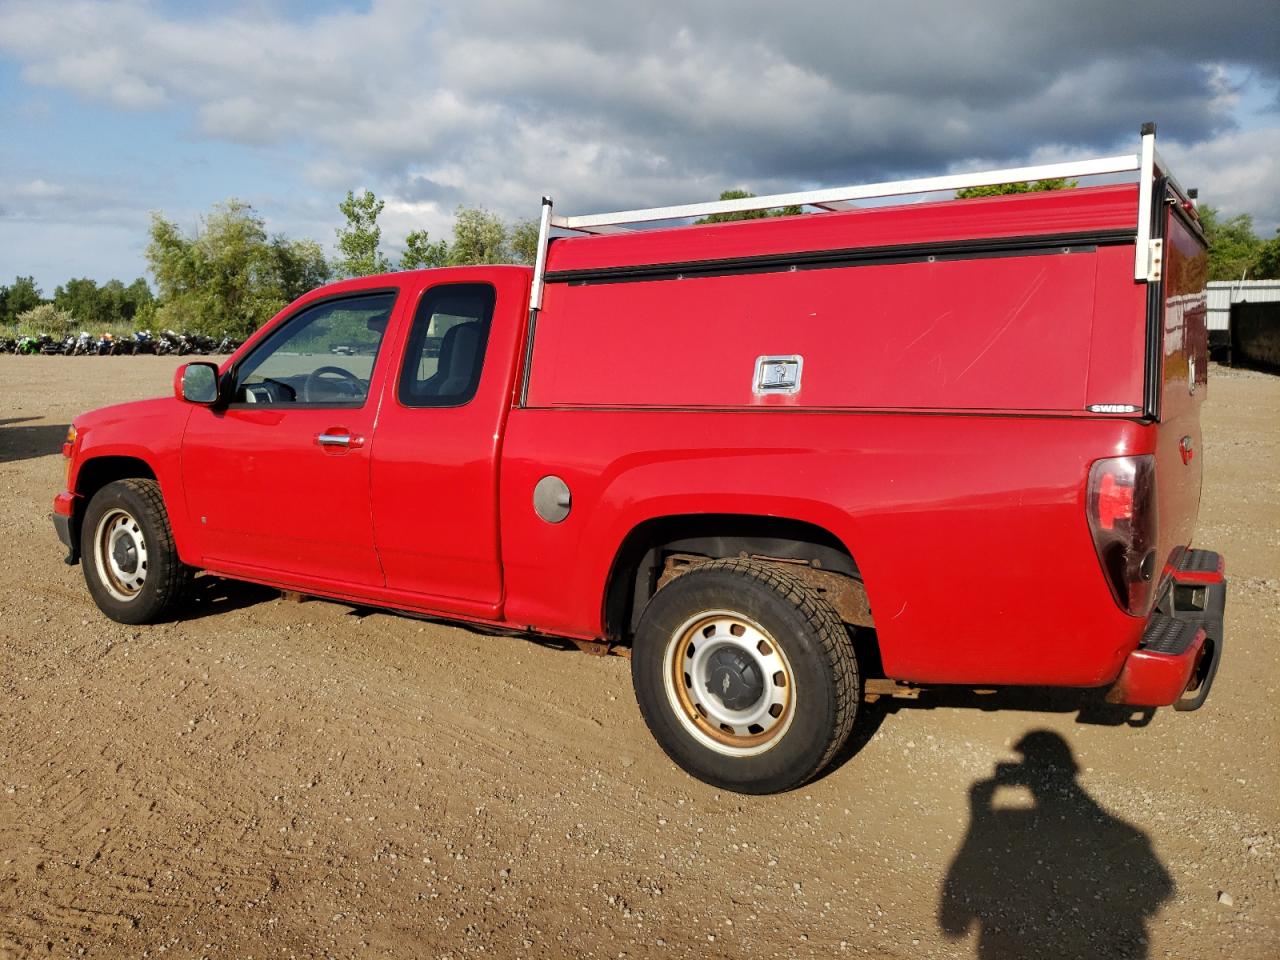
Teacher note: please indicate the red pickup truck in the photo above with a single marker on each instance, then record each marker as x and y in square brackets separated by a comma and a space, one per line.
[947, 442]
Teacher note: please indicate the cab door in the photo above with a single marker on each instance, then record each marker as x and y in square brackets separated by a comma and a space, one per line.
[277, 481]
[434, 471]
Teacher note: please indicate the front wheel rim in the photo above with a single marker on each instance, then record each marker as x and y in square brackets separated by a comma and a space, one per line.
[120, 554]
[729, 683]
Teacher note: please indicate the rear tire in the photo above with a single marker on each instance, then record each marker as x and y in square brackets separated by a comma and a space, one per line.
[745, 676]
[130, 563]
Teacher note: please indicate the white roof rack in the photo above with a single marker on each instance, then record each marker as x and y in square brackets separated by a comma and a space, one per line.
[832, 195]
[1145, 163]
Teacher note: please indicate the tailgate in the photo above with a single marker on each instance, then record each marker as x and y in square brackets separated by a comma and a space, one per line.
[1184, 380]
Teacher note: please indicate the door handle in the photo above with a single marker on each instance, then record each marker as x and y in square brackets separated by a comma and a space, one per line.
[339, 440]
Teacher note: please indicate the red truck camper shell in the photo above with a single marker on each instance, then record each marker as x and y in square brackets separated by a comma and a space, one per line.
[1016, 303]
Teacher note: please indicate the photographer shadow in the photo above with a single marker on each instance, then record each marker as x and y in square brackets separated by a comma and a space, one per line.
[1044, 871]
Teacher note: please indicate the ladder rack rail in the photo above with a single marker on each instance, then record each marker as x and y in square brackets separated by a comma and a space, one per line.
[1077, 168]
[1147, 164]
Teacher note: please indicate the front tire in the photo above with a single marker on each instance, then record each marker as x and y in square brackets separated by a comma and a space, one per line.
[130, 563]
[745, 676]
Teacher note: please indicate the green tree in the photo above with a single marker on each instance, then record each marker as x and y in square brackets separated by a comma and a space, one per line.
[1234, 248]
[138, 300]
[478, 237]
[746, 214]
[20, 297]
[238, 281]
[299, 266]
[358, 241]
[420, 252]
[81, 298]
[226, 277]
[1001, 189]
[1267, 266]
[45, 318]
[112, 305]
[524, 242]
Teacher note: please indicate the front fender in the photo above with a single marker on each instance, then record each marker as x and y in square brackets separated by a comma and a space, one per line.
[148, 432]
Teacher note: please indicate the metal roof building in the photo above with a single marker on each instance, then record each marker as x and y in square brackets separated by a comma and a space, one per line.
[1223, 293]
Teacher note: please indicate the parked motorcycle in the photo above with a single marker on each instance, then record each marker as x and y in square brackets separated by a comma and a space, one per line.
[52, 347]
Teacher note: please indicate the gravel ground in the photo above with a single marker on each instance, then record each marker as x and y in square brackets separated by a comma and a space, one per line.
[279, 779]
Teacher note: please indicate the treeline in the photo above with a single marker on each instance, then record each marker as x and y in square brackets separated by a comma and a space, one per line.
[111, 307]
[229, 276]
[1236, 251]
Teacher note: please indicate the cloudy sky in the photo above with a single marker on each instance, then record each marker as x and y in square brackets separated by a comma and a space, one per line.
[112, 109]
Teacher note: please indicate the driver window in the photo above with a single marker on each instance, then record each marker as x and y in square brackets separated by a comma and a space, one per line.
[322, 356]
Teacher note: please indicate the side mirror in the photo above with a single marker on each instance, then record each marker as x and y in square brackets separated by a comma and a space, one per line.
[197, 383]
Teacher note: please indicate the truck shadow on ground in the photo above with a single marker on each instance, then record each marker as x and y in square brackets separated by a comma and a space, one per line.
[1044, 871]
[29, 442]
[1089, 705]
[211, 596]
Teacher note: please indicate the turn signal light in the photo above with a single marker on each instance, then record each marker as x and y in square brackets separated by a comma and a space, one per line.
[1121, 506]
[68, 447]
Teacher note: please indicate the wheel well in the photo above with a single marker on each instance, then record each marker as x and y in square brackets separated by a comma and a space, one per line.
[656, 550]
[96, 473]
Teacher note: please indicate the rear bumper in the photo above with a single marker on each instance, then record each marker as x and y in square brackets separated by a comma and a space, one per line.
[1177, 659]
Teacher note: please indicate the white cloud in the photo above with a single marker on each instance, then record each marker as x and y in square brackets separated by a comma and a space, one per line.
[39, 189]
[1235, 173]
[400, 217]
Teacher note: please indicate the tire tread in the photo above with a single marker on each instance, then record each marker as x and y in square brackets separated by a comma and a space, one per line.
[825, 639]
[830, 630]
[175, 577]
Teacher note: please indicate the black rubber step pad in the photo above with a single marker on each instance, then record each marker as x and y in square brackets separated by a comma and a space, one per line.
[1168, 636]
[1198, 561]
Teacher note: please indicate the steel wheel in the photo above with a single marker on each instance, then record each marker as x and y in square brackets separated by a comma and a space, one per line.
[745, 675]
[729, 683]
[131, 564]
[120, 554]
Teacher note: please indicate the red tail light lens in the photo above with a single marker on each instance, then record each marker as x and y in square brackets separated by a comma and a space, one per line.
[1121, 504]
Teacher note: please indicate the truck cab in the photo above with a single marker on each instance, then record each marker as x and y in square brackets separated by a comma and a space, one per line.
[781, 463]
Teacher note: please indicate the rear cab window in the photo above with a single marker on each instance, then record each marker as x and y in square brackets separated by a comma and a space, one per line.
[444, 355]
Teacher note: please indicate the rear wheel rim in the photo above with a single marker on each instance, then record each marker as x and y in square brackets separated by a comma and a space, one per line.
[120, 554]
[729, 683]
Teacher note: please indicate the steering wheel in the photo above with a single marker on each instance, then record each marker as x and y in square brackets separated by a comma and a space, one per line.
[316, 377]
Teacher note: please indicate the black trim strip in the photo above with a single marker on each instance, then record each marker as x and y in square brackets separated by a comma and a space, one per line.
[1154, 372]
[527, 368]
[777, 410]
[1040, 245]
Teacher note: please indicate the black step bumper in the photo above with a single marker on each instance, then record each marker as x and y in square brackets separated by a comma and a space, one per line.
[1177, 660]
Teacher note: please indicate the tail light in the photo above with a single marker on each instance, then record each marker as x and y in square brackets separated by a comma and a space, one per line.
[1121, 504]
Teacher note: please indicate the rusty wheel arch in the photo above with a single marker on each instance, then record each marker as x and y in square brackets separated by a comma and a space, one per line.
[659, 550]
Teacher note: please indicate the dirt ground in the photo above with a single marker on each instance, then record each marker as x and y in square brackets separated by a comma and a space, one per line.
[278, 779]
